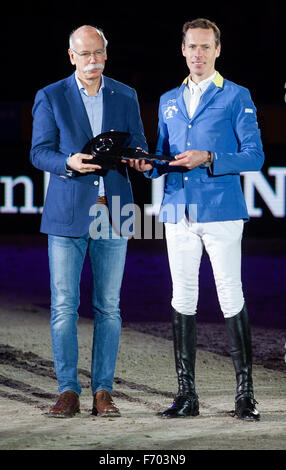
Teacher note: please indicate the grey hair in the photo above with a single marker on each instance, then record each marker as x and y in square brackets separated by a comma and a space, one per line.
[98, 30]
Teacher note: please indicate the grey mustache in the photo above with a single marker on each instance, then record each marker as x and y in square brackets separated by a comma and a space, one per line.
[93, 66]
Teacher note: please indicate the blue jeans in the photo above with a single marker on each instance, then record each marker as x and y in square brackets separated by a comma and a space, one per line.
[66, 257]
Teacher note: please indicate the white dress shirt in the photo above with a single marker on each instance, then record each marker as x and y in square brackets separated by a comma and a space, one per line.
[193, 93]
[94, 109]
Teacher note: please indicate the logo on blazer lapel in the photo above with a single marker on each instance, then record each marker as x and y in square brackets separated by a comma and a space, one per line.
[169, 112]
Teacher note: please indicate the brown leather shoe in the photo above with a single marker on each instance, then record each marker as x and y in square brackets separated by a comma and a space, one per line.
[66, 407]
[103, 405]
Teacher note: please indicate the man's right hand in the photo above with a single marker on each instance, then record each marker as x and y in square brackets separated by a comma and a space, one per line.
[75, 162]
[140, 165]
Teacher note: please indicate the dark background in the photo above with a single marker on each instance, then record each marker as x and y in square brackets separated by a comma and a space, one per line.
[144, 45]
[144, 51]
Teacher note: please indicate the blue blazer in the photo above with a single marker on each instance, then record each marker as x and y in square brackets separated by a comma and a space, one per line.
[224, 123]
[61, 127]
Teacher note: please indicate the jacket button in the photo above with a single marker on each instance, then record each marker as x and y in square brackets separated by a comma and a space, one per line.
[95, 183]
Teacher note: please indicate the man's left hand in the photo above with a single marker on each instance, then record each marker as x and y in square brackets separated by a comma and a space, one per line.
[190, 159]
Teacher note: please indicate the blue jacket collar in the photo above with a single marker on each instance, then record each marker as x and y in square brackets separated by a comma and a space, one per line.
[215, 87]
[77, 108]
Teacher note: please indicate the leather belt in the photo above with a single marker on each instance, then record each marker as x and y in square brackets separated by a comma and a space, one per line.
[102, 200]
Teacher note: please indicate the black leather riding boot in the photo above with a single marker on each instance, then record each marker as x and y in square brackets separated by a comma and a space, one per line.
[239, 335]
[185, 341]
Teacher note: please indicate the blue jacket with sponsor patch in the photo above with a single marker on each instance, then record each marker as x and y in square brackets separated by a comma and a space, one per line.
[224, 123]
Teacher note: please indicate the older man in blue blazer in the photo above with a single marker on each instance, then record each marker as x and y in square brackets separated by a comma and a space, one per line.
[82, 212]
[209, 126]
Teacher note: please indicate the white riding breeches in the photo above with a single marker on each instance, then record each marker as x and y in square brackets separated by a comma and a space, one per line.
[222, 241]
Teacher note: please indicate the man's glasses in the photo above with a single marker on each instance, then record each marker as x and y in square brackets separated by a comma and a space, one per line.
[87, 55]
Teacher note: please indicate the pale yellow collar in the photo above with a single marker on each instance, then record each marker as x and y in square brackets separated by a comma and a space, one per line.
[218, 80]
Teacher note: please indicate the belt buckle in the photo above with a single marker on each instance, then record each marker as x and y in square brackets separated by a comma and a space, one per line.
[102, 200]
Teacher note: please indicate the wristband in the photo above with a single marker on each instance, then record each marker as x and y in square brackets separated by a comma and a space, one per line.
[208, 162]
[69, 170]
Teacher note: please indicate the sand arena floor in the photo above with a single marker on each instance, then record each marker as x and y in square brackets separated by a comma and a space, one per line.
[145, 383]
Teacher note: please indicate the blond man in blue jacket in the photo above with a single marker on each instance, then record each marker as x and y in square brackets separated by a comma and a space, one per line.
[209, 126]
